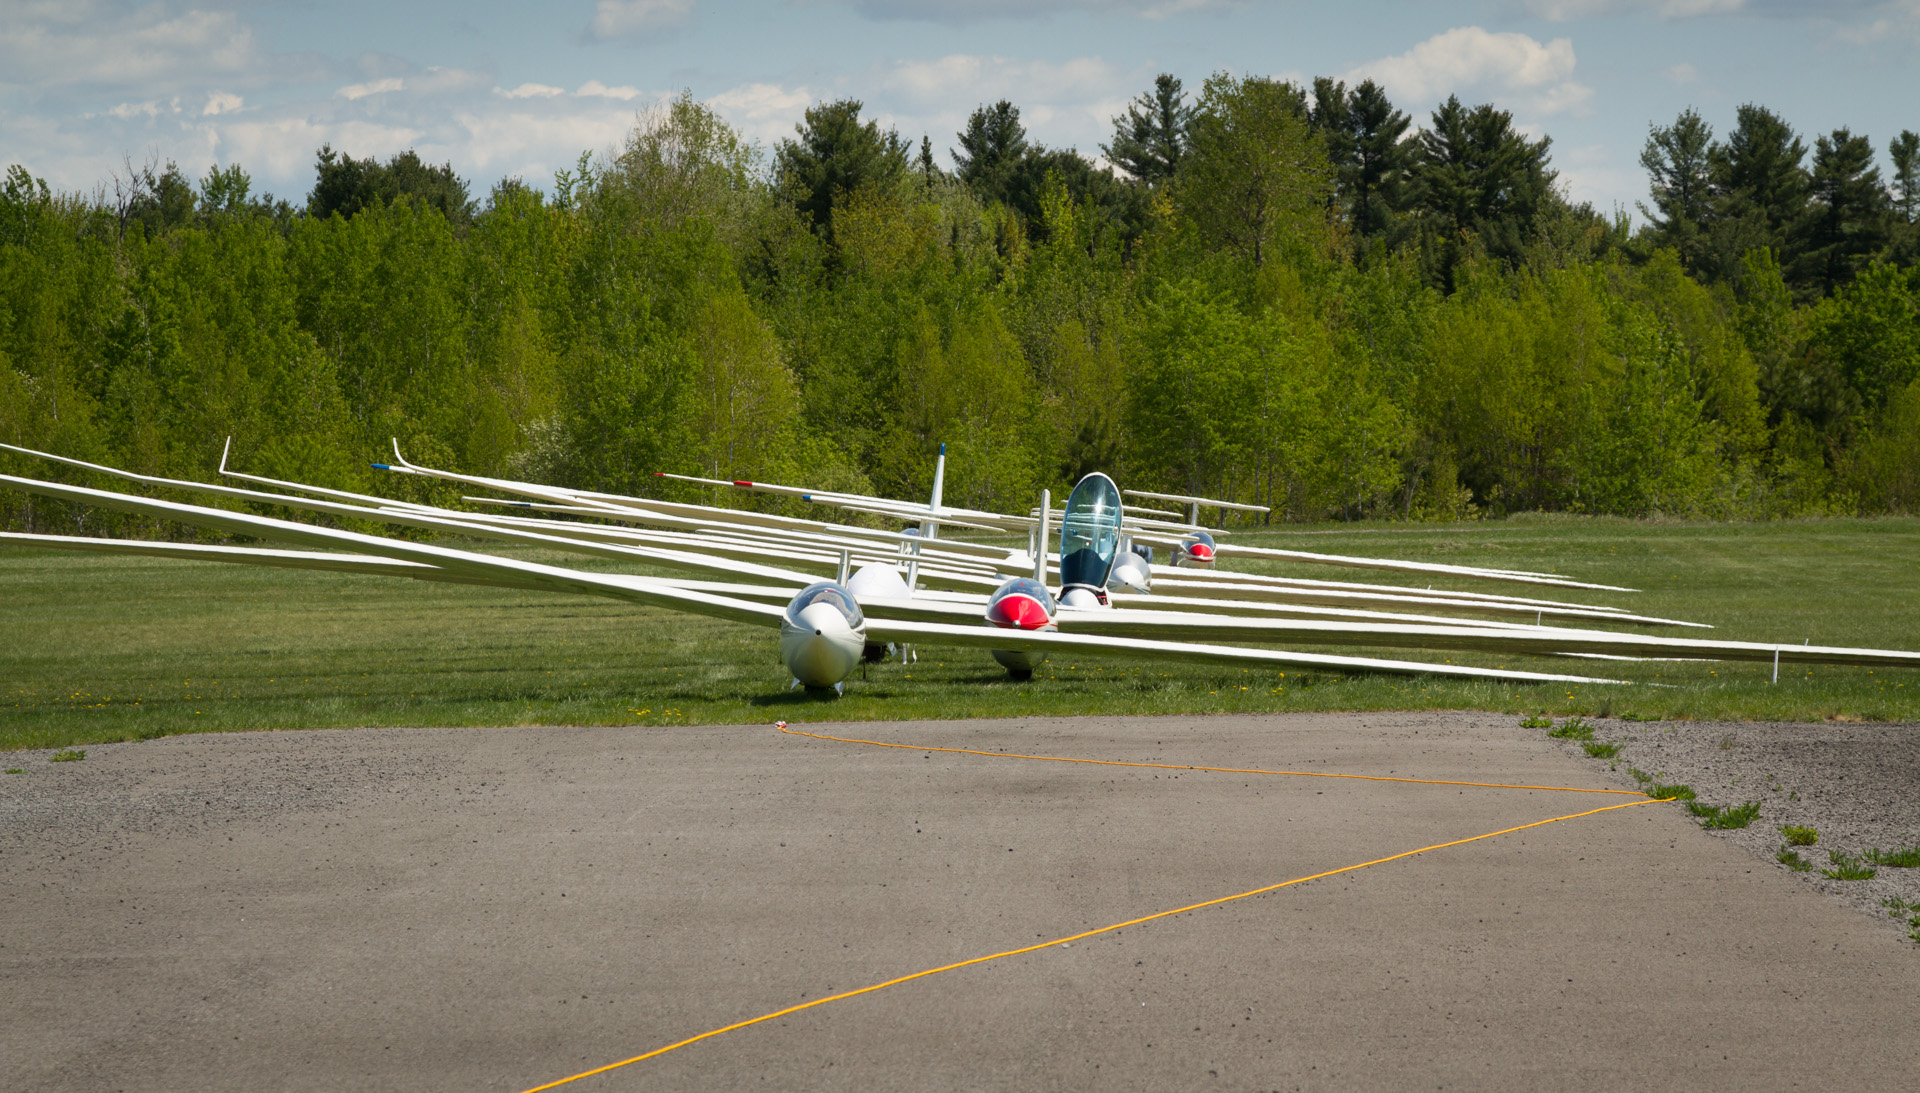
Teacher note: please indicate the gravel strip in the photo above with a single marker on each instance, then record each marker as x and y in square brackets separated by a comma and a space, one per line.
[1856, 784]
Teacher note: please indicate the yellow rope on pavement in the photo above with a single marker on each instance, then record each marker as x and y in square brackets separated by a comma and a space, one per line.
[659, 1051]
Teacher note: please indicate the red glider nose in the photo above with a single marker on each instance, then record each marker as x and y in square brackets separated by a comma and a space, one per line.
[1200, 552]
[1016, 612]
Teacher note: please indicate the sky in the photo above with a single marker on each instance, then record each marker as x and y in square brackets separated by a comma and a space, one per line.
[499, 89]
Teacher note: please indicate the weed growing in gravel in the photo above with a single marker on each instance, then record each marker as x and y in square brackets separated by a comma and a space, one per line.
[1574, 729]
[1792, 860]
[1899, 859]
[1799, 836]
[67, 755]
[1724, 817]
[16, 770]
[1603, 751]
[1847, 867]
[1536, 722]
[1659, 792]
[1897, 907]
[1728, 742]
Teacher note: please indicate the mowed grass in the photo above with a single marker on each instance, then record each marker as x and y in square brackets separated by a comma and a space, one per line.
[96, 648]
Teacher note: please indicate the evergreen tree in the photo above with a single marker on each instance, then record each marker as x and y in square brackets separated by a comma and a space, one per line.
[993, 147]
[1679, 161]
[1377, 190]
[1479, 175]
[1846, 223]
[1904, 150]
[160, 201]
[999, 165]
[834, 156]
[1760, 188]
[1151, 138]
[346, 185]
[1904, 198]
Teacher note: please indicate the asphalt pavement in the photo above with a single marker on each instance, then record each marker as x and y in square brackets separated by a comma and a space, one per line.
[493, 909]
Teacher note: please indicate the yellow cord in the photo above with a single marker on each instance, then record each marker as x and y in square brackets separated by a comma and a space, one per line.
[782, 726]
[1118, 925]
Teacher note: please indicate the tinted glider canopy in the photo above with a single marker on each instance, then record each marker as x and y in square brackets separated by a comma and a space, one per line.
[1090, 533]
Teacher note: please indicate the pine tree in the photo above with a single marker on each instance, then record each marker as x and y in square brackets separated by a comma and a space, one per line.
[992, 147]
[1679, 160]
[1904, 150]
[1846, 222]
[1379, 190]
[836, 154]
[1760, 189]
[1151, 138]
[1480, 175]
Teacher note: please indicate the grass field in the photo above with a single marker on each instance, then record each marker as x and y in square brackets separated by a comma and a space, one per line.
[96, 648]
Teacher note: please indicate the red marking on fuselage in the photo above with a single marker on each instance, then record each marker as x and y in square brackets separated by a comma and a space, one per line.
[1018, 612]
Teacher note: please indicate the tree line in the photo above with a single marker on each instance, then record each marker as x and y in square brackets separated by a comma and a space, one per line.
[1264, 291]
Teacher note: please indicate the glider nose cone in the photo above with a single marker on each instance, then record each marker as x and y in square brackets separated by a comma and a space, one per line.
[820, 648]
[1016, 612]
[1199, 555]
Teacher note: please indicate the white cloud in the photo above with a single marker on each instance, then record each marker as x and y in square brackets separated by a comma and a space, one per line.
[1068, 103]
[594, 89]
[1591, 173]
[763, 112]
[1514, 66]
[531, 91]
[624, 18]
[104, 43]
[152, 108]
[371, 87]
[221, 102]
[1563, 10]
[1683, 74]
[973, 11]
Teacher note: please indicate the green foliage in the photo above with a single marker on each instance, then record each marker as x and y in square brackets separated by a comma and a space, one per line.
[1536, 722]
[1898, 859]
[1847, 867]
[1256, 175]
[1679, 162]
[1724, 817]
[1846, 222]
[1289, 300]
[1799, 836]
[346, 186]
[1662, 792]
[1152, 137]
[1602, 751]
[837, 156]
[67, 755]
[1574, 728]
[1792, 860]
